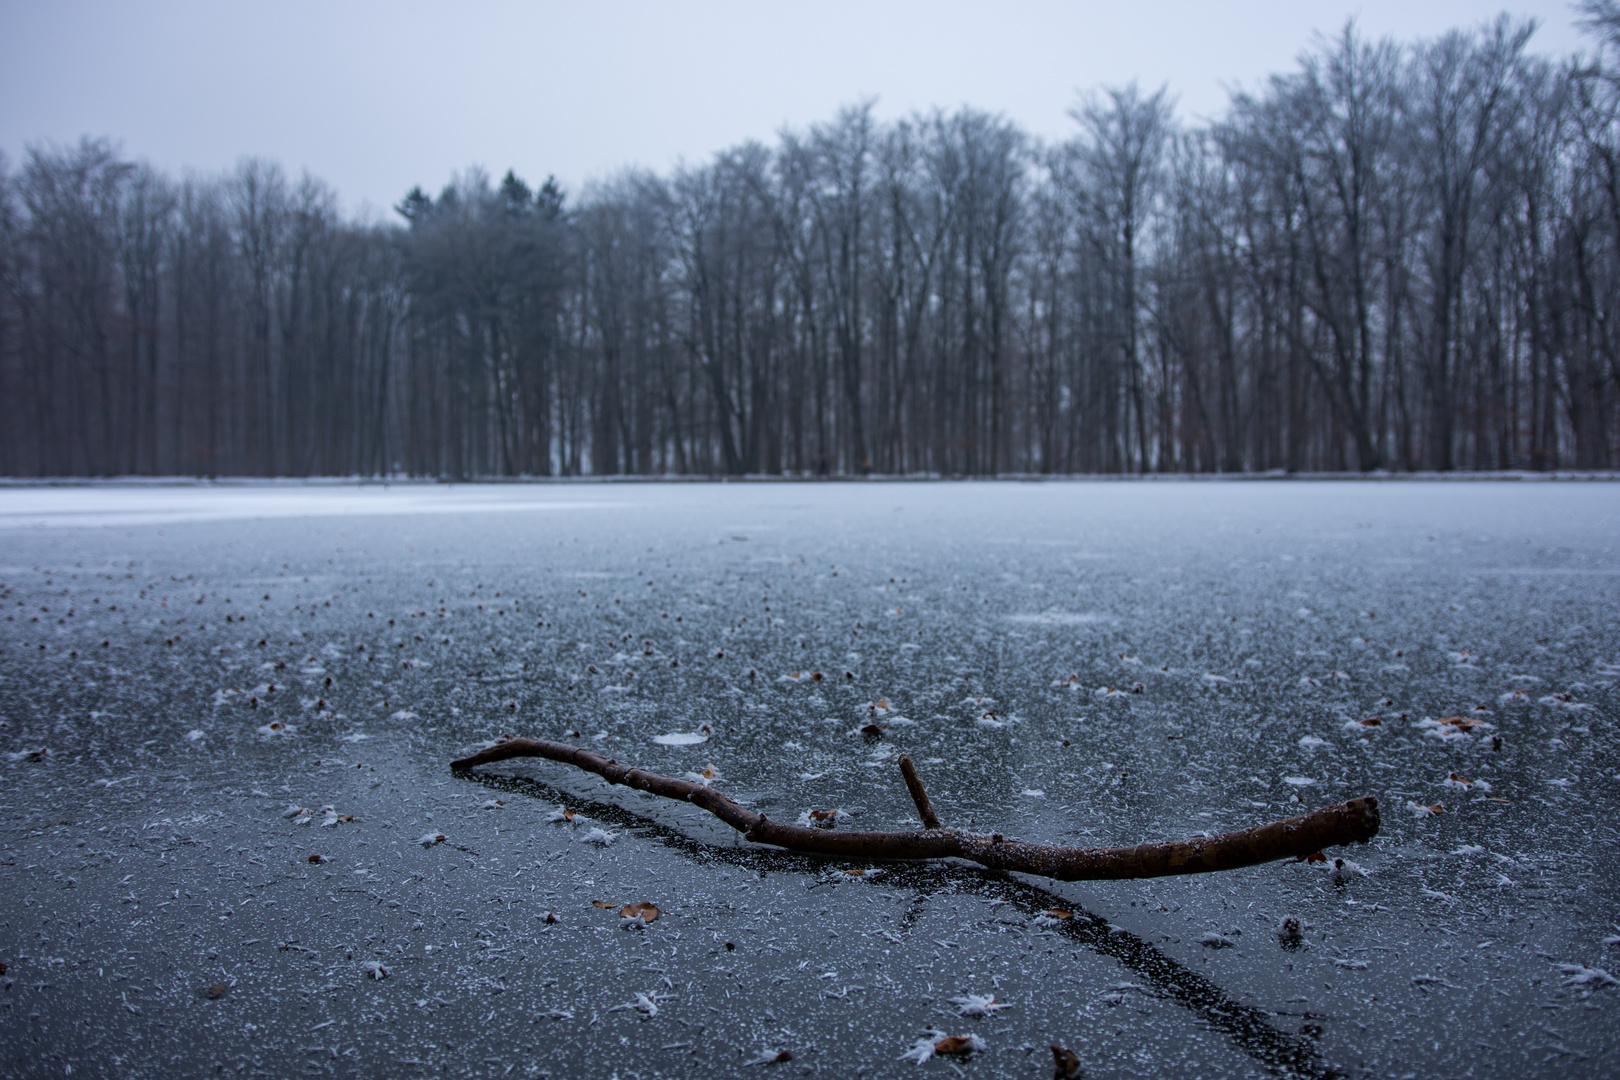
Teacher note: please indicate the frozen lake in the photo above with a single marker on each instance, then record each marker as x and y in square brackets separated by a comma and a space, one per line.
[184, 669]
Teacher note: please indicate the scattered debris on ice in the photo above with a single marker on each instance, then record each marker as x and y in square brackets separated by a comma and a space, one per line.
[938, 1042]
[646, 1004]
[684, 738]
[978, 1004]
[1344, 871]
[1581, 975]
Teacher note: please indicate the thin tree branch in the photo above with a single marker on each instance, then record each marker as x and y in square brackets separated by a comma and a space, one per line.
[1356, 820]
[925, 809]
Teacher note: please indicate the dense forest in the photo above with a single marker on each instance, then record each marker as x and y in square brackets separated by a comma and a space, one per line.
[1396, 256]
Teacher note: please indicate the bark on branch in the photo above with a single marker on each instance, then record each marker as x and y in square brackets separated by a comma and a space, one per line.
[925, 809]
[1356, 820]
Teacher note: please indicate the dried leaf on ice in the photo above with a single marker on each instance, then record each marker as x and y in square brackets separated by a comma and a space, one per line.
[333, 817]
[959, 1044]
[646, 911]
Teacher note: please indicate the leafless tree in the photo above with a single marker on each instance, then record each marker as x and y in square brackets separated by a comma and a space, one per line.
[1392, 256]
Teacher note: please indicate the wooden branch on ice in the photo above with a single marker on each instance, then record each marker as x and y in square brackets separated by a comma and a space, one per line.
[925, 809]
[1356, 820]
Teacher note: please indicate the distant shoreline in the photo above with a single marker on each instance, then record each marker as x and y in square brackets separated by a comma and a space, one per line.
[1564, 475]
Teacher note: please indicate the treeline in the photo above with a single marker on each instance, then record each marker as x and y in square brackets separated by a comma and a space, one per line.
[1394, 257]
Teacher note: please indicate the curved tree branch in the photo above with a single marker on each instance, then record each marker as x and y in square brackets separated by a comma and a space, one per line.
[1356, 820]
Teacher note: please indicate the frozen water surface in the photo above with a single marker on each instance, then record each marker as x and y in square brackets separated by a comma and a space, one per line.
[230, 844]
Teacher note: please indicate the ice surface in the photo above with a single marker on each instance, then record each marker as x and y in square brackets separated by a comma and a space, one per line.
[110, 506]
[1085, 663]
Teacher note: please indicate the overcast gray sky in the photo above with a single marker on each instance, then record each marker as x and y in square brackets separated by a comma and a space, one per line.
[374, 97]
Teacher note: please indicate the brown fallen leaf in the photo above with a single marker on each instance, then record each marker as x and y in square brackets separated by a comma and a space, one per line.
[217, 991]
[318, 858]
[1313, 857]
[954, 1044]
[1371, 721]
[815, 676]
[820, 817]
[646, 911]
[1065, 1063]
[872, 729]
[603, 904]
[1059, 913]
[708, 772]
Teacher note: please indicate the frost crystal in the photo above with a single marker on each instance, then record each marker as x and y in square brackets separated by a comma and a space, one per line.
[978, 1004]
